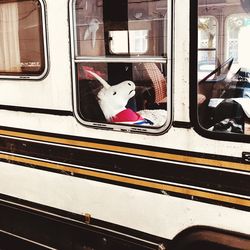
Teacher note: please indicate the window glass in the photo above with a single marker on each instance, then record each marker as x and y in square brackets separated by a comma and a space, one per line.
[21, 38]
[224, 67]
[237, 38]
[121, 62]
[207, 31]
[89, 28]
[136, 27]
[136, 95]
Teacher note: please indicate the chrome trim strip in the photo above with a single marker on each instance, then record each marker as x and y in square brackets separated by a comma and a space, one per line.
[80, 59]
[25, 239]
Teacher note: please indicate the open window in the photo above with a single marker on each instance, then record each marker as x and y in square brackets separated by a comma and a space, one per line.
[224, 71]
[120, 62]
[22, 39]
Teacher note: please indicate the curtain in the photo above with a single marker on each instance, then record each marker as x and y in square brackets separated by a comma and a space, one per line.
[9, 38]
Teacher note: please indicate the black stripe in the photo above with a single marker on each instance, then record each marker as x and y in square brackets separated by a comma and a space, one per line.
[201, 154]
[10, 242]
[174, 172]
[37, 110]
[170, 172]
[66, 228]
[144, 188]
[179, 124]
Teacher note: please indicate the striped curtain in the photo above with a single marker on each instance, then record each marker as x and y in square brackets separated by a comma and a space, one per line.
[9, 38]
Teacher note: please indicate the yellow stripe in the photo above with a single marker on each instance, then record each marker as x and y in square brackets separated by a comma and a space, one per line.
[131, 151]
[129, 180]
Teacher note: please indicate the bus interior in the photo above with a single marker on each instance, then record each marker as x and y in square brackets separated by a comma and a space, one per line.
[223, 66]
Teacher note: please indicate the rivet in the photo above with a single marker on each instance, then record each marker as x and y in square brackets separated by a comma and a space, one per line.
[87, 218]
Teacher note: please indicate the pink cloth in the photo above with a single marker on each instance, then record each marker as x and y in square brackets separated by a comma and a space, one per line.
[128, 116]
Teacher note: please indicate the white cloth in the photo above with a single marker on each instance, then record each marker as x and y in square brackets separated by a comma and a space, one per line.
[157, 116]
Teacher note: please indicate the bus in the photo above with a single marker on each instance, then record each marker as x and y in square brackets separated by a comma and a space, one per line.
[125, 124]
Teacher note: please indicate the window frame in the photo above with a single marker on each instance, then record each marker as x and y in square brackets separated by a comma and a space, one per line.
[75, 59]
[193, 92]
[44, 43]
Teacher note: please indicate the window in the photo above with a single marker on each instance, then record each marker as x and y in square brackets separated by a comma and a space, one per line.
[207, 31]
[22, 51]
[120, 63]
[237, 37]
[132, 42]
[224, 85]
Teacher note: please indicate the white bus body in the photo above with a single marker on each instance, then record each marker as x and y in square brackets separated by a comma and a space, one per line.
[126, 187]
